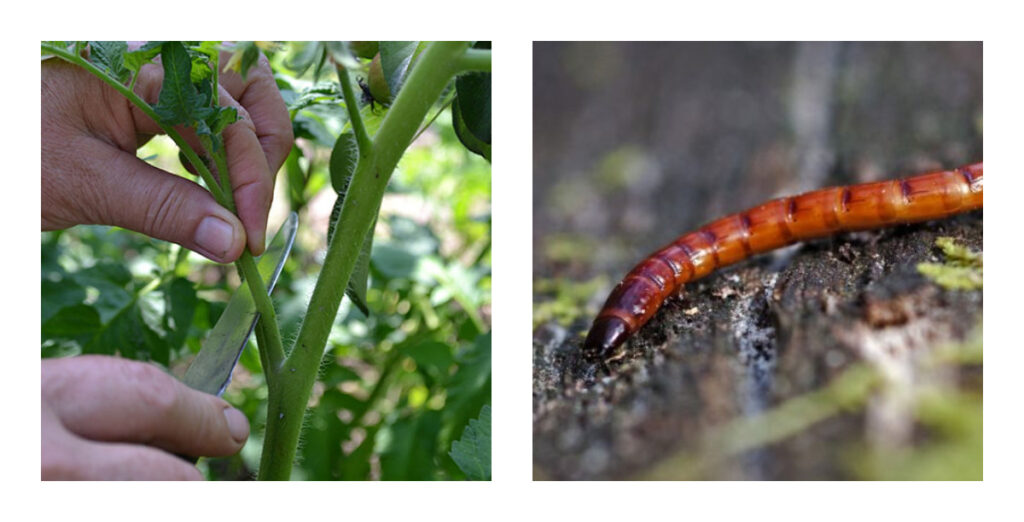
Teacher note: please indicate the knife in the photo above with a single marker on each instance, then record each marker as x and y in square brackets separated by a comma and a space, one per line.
[211, 370]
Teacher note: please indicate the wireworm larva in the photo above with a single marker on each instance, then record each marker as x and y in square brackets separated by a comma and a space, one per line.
[771, 225]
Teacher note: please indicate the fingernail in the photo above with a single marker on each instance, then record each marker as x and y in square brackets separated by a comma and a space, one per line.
[216, 236]
[238, 425]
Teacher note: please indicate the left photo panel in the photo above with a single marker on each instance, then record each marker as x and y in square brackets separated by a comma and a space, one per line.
[266, 260]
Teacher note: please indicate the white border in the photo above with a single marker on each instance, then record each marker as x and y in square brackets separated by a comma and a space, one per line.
[512, 26]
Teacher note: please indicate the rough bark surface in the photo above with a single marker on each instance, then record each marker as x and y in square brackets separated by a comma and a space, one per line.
[744, 340]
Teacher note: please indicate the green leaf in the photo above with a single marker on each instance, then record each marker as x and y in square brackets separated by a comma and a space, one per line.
[60, 348]
[408, 445]
[72, 322]
[474, 94]
[134, 60]
[430, 355]
[341, 54]
[470, 388]
[466, 136]
[246, 55]
[296, 178]
[395, 59]
[308, 53]
[344, 157]
[322, 438]
[56, 295]
[472, 453]
[202, 64]
[317, 94]
[109, 280]
[471, 111]
[109, 57]
[180, 294]
[320, 65]
[304, 125]
[357, 464]
[393, 261]
[128, 334]
[179, 102]
[221, 118]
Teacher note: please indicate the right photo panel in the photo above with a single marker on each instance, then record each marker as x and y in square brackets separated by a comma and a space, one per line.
[757, 260]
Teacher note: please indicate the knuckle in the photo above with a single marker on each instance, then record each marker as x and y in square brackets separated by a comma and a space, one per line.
[154, 390]
[163, 217]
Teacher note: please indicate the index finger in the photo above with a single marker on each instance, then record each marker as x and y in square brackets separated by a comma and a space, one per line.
[259, 94]
[252, 179]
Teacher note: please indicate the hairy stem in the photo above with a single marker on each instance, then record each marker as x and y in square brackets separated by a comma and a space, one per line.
[268, 317]
[352, 105]
[287, 402]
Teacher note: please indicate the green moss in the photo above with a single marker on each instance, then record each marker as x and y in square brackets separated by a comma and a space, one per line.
[622, 167]
[962, 269]
[568, 299]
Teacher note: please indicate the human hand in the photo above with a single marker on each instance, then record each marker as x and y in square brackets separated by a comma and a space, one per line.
[91, 175]
[105, 418]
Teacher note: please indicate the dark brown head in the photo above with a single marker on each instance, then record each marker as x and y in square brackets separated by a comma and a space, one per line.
[606, 335]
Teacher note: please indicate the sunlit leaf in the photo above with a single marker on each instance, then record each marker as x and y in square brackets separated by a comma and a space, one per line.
[395, 59]
[179, 101]
[109, 57]
[472, 452]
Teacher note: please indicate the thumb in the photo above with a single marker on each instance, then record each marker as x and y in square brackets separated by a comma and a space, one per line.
[135, 195]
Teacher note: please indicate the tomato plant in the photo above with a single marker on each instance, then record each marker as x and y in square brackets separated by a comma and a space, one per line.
[395, 385]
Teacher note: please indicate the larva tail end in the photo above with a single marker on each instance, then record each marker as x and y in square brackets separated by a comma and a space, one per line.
[607, 334]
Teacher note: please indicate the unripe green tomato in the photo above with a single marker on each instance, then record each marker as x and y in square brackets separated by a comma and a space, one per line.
[364, 49]
[378, 85]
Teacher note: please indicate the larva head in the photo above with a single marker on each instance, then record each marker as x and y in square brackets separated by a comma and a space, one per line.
[607, 334]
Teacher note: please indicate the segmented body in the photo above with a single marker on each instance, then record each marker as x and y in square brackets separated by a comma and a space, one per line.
[772, 225]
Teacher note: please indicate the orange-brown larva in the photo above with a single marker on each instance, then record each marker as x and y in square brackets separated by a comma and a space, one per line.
[771, 225]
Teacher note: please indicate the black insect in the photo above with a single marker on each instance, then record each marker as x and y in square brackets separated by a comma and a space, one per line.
[368, 96]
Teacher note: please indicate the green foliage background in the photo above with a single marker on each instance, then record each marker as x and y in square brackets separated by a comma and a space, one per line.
[396, 388]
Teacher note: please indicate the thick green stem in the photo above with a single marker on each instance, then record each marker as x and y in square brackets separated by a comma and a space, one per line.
[475, 60]
[287, 401]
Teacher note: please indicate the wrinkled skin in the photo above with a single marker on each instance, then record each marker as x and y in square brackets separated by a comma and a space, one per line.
[105, 418]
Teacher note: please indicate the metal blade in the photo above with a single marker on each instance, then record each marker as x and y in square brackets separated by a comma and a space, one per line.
[211, 370]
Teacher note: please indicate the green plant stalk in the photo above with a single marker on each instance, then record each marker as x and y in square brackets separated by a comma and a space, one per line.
[352, 106]
[267, 324]
[287, 400]
[245, 264]
[220, 160]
